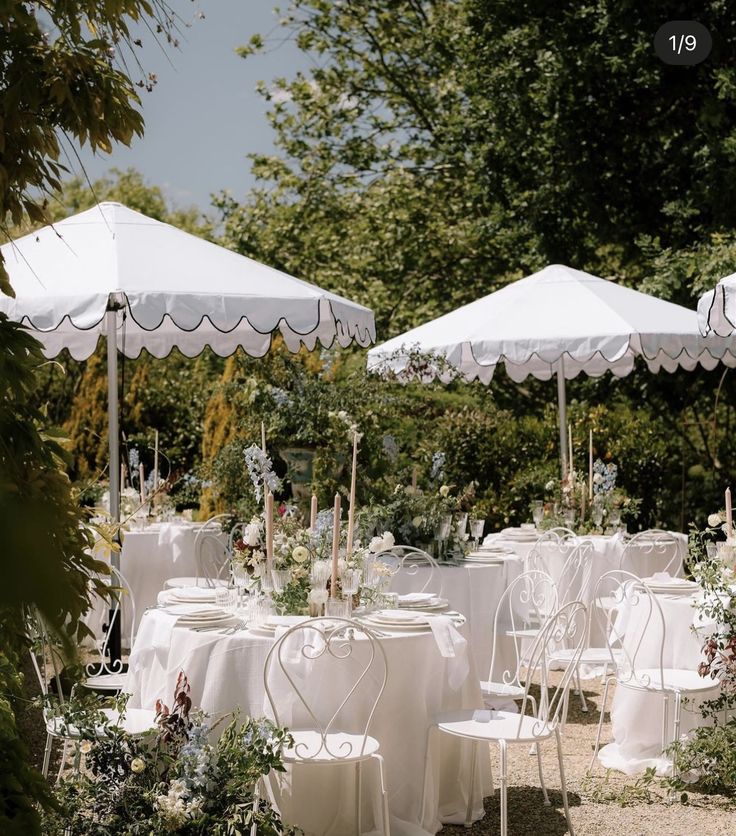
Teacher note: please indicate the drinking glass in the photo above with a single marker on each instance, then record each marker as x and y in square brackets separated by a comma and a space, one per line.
[537, 511]
[261, 611]
[597, 515]
[350, 582]
[443, 532]
[568, 515]
[321, 572]
[462, 525]
[227, 599]
[711, 550]
[476, 530]
[281, 579]
[337, 608]
[266, 582]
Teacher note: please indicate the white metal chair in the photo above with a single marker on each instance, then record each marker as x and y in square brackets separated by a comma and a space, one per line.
[411, 562]
[47, 665]
[650, 551]
[336, 725]
[107, 675]
[210, 555]
[507, 728]
[633, 614]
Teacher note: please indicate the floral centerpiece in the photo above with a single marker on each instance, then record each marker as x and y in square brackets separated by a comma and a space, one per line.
[568, 501]
[175, 779]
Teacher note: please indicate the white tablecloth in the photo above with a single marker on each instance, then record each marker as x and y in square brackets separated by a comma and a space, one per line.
[473, 590]
[226, 672]
[148, 558]
[636, 717]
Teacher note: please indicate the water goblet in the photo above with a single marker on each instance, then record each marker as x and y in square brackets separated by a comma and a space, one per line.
[337, 608]
[350, 583]
[537, 512]
[462, 525]
[568, 515]
[266, 582]
[321, 572]
[281, 579]
[227, 599]
[476, 530]
[614, 518]
[597, 516]
[443, 531]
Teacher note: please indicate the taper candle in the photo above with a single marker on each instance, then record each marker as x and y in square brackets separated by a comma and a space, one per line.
[569, 448]
[263, 437]
[122, 475]
[313, 513]
[269, 531]
[142, 477]
[590, 466]
[351, 509]
[335, 545]
[729, 515]
[155, 463]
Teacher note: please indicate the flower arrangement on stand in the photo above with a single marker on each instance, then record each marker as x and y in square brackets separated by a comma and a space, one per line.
[175, 779]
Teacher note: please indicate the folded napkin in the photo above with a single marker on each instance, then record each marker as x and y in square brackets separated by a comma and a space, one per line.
[451, 646]
[416, 597]
[661, 577]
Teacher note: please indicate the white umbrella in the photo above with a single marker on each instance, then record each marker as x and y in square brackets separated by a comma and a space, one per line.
[557, 321]
[114, 272]
[717, 308]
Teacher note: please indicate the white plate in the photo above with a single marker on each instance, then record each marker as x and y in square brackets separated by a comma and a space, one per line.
[489, 560]
[215, 621]
[395, 628]
[416, 598]
[397, 618]
[437, 605]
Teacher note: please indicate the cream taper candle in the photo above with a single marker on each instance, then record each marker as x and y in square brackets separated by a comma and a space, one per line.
[313, 513]
[729, 515]
[269, 531]
[351, 509]
[590, 466]
[335, 545]
[142, 477]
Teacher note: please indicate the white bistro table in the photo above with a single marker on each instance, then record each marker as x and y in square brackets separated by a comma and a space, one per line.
[226, 673]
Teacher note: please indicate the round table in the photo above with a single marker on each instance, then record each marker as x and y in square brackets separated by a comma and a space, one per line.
[472, 589]
[149, 557]
[636, 716]
[226, 673]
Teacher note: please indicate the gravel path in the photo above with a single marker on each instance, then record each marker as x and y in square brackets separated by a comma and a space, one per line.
[704, 815]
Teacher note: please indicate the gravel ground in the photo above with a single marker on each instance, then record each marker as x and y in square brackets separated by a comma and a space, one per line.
[649, 813]
[705, 815]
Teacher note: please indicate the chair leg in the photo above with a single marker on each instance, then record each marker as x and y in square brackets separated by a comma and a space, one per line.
[532, 748]
[47, 756]
[384, 797]
[547, 802]
[563, 785]
[600, 724]
[62, 763]
[678, 716]
[583, 703]
[504, 787]
[471, 787]
[665, 720]
[565, 708]
[256, 799]
[358, 799]
[422, 809]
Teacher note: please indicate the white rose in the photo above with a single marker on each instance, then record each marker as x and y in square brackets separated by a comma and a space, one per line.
[300, 554]
[252, 534]
[137, 765]
[714, 520]
[375, 545]
[388, 541]
[85, 747]
[445, 490]
[550, 486]
[598, 478]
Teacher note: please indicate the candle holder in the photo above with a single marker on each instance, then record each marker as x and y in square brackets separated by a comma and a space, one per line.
[338, 608]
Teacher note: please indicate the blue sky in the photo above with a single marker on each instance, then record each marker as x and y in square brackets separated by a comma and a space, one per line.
[204, 115]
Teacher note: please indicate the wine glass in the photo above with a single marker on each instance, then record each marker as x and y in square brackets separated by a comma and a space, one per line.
[597, 516]
[350, 582]
[537, 512]
[476, 530]
[462, 525]
[568, 515]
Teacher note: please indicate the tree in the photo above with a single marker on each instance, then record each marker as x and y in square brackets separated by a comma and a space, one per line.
[59, 83]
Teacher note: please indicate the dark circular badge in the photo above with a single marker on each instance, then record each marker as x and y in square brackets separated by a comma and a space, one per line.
[682, 42]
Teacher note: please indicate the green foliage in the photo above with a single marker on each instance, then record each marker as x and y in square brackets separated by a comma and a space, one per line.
[709, 757]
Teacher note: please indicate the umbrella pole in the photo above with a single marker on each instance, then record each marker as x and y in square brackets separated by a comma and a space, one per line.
[562, 412]
[114, 469]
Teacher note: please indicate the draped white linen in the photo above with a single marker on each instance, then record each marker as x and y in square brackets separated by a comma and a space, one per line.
[717, 308]
[226, 672]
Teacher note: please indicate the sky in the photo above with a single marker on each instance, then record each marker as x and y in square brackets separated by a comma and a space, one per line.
[204, 115]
